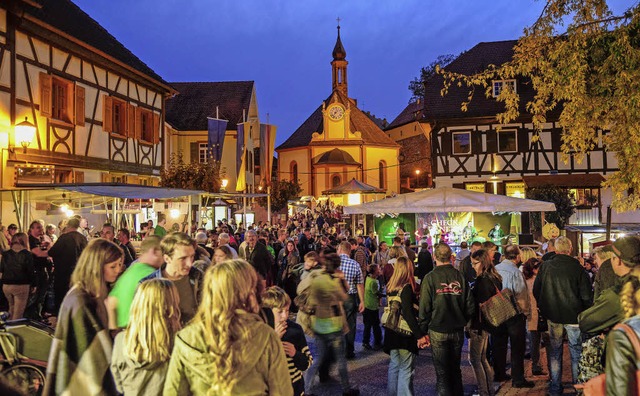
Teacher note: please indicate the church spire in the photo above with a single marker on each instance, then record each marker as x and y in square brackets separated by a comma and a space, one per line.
[339, 66]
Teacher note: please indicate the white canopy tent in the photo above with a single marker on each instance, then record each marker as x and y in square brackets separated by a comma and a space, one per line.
[448, 199]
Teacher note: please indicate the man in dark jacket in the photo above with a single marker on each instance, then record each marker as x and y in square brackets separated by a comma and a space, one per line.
[562, 290]
[606, 311]
[305, 243]
[258, 256]
[465, 265]
[65, 253]
[446, 305]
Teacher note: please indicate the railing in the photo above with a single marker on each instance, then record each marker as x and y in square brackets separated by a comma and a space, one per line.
[589, 216]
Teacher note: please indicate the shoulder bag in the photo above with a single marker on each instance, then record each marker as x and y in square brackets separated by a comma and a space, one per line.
[392, 317]
[499, 308]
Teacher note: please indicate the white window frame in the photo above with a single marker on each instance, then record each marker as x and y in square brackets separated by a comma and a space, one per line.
[203, 149]
[498, 84]
[453, 143]
[515, 134]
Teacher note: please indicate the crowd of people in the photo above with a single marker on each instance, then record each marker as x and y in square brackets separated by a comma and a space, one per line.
[231, 310]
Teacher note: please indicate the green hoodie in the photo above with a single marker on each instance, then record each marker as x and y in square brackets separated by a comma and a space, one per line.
[263, 371]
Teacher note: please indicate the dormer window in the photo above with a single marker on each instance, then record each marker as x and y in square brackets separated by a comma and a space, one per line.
[499, 84]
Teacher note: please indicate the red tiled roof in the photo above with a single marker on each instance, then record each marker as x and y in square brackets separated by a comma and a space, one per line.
[189, 109]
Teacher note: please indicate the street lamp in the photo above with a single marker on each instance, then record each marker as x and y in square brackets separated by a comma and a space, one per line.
[417, 178]
[24, 134]
[224, 183]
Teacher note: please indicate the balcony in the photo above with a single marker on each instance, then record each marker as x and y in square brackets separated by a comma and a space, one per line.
[585, 216]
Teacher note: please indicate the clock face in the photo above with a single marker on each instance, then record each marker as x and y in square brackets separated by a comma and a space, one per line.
[336, 113]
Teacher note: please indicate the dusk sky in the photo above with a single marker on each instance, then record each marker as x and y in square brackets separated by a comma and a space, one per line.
[285, 45]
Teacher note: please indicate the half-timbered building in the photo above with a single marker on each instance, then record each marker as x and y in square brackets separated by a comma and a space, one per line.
[98, 110]
[472, 150]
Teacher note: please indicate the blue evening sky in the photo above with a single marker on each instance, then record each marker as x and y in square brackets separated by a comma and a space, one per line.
[285, 45]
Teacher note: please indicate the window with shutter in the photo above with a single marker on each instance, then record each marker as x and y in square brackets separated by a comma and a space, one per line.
[45, 94]
[461, 143]
[107, 114]
[131, 121]
[80, 109]
[62, 99]
[156, 128]
[507, 141]
[492, 141]
[194, 153]
[119, 112]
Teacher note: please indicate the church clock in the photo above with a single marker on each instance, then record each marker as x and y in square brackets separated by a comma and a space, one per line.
[336, 112]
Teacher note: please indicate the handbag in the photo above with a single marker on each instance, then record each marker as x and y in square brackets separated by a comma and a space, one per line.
[499, 308]
[392, 317]
[597, 386]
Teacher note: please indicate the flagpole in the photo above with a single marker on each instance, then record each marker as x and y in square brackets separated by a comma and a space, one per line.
[269, 204]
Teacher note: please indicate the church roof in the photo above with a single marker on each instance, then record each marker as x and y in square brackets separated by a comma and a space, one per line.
[354, 186]
[195, 101]
[68, 18]
[370, 132]
[336, 157]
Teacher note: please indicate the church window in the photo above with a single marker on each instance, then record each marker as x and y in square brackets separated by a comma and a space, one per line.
[335, 181]
[382, 174]
[462, 143]
[294, 171]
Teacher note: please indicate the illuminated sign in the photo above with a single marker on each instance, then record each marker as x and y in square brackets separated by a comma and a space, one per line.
[477, 187]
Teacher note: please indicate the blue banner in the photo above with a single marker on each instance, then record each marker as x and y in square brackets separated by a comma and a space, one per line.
[217, 129]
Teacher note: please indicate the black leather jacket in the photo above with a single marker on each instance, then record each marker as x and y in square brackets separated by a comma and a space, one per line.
[622, 362]
[562, 289]
[17, 268]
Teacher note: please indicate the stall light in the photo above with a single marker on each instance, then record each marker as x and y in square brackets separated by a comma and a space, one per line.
[354, 199]
[224, 183]
[174, 213]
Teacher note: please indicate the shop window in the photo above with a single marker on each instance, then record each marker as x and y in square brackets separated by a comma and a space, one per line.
[585, 197]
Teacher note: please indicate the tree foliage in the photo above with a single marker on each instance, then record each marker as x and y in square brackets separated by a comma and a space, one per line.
[560, 196]
[281, 192]
[416, 86]
[192, 175]
[581, 57]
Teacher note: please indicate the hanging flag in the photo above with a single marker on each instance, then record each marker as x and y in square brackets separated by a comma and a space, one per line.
[267, 143]
[241, 184]
[240, 145]
[217, 129]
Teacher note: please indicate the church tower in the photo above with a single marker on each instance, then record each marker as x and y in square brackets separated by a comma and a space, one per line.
[339, 67]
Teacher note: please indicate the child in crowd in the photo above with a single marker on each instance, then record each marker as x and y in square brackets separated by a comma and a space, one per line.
[142, 351]
[310, 262]
[371, 316]
[295, 345]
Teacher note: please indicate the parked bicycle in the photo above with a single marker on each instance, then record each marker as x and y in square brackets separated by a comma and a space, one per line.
[24, 351]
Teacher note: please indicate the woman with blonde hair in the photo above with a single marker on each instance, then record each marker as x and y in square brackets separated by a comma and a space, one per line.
[142, 351]
[227, 349]
[526, 253]
[403, 349]
[18, 274]
[82, 334]
[395, 252]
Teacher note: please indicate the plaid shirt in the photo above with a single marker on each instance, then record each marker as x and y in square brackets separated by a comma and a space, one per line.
[352, 273]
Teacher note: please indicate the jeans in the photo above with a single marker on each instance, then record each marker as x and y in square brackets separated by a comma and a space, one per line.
[534, 346]
[371, 321]
[554, 353]
[402, 368]
[324, 343]
[478, 344]
[446, 350]
[351, 310]
[516, 332]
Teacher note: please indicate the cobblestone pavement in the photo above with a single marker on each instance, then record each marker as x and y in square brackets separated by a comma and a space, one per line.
[368, 372]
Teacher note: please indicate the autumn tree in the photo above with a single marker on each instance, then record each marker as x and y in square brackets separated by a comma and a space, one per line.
[416, 86]
[584, 62]
[195, 175]
[281, 192]
[560, 196]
